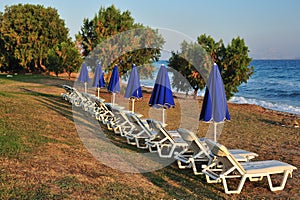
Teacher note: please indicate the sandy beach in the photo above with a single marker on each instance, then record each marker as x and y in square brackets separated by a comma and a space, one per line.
[59, 166]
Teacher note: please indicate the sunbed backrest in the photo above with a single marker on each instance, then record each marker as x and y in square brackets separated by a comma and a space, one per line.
[194, 142]
[134, 121]
[191, 139]
[195, 147]
[224, 155]
[216, 148]
[161, 131]
[186, 135]
[154, 126]
[236, 163]
[68, 88]
[166, 133]
[101, 105]
[119, 114]
[139, 123]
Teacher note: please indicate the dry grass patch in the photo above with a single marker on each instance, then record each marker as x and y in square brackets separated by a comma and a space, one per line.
[43, 157]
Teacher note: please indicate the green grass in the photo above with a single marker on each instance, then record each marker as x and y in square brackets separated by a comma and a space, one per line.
[32, 78]
[69, 184]
[21, 127]
[41, 192]
[11, 143]
[6, 94]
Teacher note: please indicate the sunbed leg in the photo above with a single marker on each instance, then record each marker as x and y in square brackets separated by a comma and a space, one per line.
[130, 142]
[195, 168]
[109, 127]
[180, 166]
[239, 189]
[283, 182]
[209, 180]
[256, 178]
[152, 149]
[145, 146]
[160, 151]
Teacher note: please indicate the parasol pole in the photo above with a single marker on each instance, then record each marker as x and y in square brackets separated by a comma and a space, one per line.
[113, 101]
[98, 92]
[215, 131]
[85, 86]
[163, 116]
[132, 106]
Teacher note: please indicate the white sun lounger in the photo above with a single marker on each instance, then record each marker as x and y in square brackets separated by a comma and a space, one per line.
[255, 171]
[68, 94]
[121, 125]
[102, 112]
[197, 156]
[165, 143]
[141, 132]
[72, 95]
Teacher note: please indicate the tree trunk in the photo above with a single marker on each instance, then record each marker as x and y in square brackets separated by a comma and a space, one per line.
[195, 93]
[43, 66]
[36, 65]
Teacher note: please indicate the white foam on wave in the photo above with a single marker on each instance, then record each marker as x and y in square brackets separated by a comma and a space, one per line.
[268, 105]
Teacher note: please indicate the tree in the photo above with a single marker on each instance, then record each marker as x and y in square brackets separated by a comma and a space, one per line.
[233, 62]
[189, 66]
[113, 37]
[87, 37]
[54, 62]
[28, 31]
[64, 57]
[71, 58]
[7, 59]
[235, 66]
[3, 52]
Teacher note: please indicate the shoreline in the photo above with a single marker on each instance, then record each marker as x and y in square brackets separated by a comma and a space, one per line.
[283, 113]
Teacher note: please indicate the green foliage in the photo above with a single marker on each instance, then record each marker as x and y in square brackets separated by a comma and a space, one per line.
[190, 67]
[64, 57]
[27, 33]
[233, 62]
[71, 58]
[112, 37]
[54, 62]
[235, 65]
[108, 22]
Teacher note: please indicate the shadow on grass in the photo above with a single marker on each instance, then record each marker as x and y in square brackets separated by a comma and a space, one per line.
[180, 184]
[37, 78]
[53, 102]
[269, 121]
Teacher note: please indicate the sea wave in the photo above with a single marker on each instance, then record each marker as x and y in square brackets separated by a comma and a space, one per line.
[242, 100]
[268, 105]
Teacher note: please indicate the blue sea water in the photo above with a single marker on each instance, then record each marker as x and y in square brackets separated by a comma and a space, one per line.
[275, 85]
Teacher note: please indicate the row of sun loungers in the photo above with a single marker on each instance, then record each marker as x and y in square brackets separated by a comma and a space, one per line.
[202, 155]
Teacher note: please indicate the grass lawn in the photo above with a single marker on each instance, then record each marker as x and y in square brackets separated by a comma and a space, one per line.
[43, 156]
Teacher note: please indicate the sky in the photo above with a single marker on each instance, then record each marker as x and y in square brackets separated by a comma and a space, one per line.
[270, 28]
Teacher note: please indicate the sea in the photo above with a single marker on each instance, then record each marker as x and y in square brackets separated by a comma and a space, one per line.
[275, 85]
